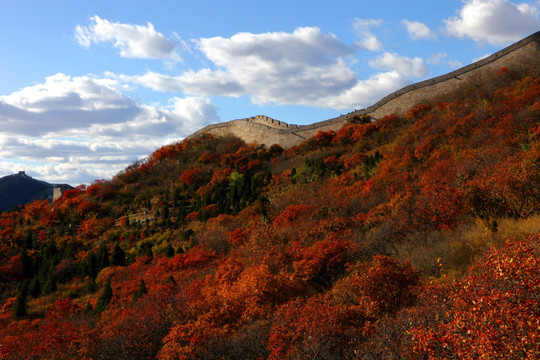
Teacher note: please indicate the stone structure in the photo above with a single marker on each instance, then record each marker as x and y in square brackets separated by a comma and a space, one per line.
[56, 194]
[268, 131]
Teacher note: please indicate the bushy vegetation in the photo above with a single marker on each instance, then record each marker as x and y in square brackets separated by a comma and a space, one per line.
[413, 237]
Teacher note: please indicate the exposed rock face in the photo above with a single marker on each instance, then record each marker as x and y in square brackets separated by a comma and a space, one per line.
[268, 131]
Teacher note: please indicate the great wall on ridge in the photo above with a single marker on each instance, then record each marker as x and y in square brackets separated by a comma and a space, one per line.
[268, 131]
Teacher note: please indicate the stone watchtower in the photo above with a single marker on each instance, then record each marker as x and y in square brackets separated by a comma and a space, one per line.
[57, 193]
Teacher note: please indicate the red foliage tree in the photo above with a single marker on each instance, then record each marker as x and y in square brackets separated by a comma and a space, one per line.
[192, 216]
[417, 111]
[291, 214]
[315, 328]
[492, 313]
[12, 270]
[321, 263]
[36, 210]
[387, 283]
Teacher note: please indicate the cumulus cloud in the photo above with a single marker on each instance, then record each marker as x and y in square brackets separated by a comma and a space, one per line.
[367, 39]
[305, 67]
[280, 68]
[367, 92]
[205, 82]
[63, 92]
[418, 30]
[67, 124]
[496, 22]
[133, 41]
[402, 65]
[397, 72]
[64, 103]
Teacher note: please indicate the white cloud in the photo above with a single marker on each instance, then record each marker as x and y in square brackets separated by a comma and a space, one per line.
[454, 64]
[192, 113]
[62, 103]
[205, 82]
[133, 41]
[367, 92]
[304, 67]
[441, 58]
[418, 30]
[496, 22]
[298, 68]
[437, 59]
[61, 92]
[282, 68]
[397, 74]
[402, 65]
[367, 39]
[67, 124]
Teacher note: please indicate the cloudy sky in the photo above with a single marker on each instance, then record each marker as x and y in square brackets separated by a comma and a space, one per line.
[88, 87]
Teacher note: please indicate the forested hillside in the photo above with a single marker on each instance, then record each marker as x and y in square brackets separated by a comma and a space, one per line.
[414, 237]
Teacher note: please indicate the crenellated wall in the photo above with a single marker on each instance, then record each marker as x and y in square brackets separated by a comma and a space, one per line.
[268, 131]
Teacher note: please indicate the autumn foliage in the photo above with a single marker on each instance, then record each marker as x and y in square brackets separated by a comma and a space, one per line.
[410, 237]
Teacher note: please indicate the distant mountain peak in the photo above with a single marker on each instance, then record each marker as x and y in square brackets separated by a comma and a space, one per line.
[20, 189]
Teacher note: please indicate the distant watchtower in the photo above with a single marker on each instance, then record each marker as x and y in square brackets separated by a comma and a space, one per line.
[57, 193]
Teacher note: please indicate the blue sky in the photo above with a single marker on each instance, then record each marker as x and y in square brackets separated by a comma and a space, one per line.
[88, 87]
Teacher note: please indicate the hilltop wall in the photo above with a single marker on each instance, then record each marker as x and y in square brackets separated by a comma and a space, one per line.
[268, 131]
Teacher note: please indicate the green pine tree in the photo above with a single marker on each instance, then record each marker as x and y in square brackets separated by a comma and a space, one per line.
[169, 251]
[145, 249]
[50, 284]
[102, 257]
[26, 264]
[34, 290]
[118, 256]
[91, 265]
[104, 298]
[91, 285]
[19, 309]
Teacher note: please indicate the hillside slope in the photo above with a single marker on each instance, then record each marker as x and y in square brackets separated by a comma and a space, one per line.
[412, 237]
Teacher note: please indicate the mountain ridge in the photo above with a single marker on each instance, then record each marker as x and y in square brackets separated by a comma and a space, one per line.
[20, 189]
